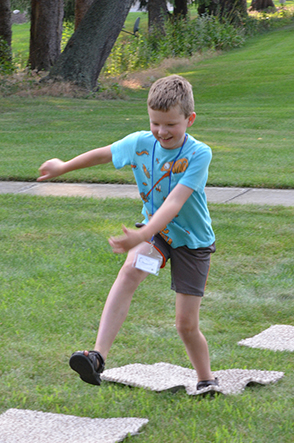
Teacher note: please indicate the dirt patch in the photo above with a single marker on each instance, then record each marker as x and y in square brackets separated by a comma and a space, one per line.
[31, 84]
[144, 79]
[28, 83]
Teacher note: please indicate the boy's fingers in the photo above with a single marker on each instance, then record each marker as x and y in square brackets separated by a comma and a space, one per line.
[42, 177]
[117, 250]
[125, 230]
[116, 245]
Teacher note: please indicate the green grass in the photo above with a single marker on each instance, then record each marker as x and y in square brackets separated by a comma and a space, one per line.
[244, 112]
[244, 103]
[56, 268]
[21, 43]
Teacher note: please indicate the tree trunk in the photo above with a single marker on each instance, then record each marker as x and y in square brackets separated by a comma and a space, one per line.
[229, 8]
[81, 7]
[261, 5]
[180, 8]
[90, 45]
[157, 13]
[5, 21]
[46, 33]
[223, 8]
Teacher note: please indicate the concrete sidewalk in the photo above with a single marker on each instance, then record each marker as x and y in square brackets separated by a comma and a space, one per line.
[271, 197]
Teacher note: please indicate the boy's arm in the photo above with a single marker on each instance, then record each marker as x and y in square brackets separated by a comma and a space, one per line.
[167, 211]
[55, 167]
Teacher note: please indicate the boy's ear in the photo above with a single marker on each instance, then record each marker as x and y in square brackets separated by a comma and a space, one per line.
[191, 119]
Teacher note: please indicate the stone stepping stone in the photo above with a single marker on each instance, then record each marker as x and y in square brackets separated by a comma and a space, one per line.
[275, 338]
[167, 377]
[23, 426]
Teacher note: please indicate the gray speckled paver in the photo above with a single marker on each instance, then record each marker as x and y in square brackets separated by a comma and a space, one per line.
[26, 426]
[165, 376]
[275, 338]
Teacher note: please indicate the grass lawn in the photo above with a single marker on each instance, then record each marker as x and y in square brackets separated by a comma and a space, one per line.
[56, 268]
[244, 104]
[21, 43]
[245, 101]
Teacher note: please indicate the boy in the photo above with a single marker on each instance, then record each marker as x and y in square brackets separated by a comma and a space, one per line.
[171, 170]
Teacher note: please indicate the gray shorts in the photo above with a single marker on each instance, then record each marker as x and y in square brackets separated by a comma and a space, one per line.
[189, 267]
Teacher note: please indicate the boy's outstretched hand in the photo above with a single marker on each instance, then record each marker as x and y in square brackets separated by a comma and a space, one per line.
[129, 240]
[50, 169]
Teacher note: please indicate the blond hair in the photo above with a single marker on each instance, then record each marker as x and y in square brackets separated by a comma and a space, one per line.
[168, 92]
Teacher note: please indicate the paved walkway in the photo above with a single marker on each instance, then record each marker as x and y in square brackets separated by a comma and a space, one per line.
[260, 196]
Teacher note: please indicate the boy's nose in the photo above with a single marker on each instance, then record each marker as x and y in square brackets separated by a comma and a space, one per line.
[162, 130]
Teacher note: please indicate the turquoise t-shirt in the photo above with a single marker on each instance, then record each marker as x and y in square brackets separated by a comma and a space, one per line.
[192, 226]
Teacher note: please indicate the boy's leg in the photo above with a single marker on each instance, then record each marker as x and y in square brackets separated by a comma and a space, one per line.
[187, 323]
[90, 364]
[118, 301]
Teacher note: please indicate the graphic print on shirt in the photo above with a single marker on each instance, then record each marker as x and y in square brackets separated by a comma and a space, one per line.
[142, 153]
[146, 172]
[178, 167]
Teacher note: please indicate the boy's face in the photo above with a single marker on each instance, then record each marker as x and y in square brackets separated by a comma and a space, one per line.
[169, 127]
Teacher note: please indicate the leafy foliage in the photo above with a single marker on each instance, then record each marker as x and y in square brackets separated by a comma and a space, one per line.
[185, 37]
[182, 38]
[69, 11]
[264, 21]
[23, 5]
[6, 64]
[67, 31]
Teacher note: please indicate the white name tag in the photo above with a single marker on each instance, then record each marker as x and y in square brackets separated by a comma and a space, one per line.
[148, 264]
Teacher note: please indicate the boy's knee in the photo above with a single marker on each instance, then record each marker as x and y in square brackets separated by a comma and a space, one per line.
[186, 327]
[131, 274]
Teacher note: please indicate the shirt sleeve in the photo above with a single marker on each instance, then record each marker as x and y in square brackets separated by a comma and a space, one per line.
[123, 150]
[195, 176]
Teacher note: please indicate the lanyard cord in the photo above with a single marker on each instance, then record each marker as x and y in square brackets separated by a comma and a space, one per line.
[170, 172]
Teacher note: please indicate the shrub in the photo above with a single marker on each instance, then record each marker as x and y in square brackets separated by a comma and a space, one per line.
[182, 38]
[67, 31]
[6, 64]
[22, 5]
[186, 37]
[264, 21]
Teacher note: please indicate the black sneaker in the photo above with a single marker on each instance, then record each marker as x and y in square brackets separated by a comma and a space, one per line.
[89, 367]
[206, 383]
